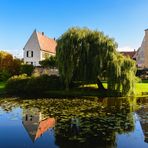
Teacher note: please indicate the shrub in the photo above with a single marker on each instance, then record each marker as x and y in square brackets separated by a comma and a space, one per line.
[16, 84]
[32, 85]
[54, 82]
[43, 83]
[4, 75]
[27, 69]
[49, 62]
[9, 66]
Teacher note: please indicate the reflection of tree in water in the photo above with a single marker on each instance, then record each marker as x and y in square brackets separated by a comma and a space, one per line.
[84, 122]
[88, 134]
[143, 115]
[95, 127]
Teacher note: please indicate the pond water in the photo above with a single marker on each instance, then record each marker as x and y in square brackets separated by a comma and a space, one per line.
[74, 123]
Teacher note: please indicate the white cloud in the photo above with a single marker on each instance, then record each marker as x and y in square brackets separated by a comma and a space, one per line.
[125, 48]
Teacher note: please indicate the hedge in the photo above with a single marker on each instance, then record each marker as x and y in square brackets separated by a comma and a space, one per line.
[32, 85]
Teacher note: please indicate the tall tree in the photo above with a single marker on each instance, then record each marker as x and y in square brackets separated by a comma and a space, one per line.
[87, 56]
[8, 65]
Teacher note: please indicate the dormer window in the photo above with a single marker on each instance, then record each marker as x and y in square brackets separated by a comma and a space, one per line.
[29, 54]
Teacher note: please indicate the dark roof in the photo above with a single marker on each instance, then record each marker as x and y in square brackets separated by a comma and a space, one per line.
[128, 53]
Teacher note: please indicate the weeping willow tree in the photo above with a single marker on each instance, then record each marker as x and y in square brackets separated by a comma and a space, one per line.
[121, 74]
[87, 56]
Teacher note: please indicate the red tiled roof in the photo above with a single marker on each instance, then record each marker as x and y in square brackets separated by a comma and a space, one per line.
[44, 126]
[46, 44]
[129, 53]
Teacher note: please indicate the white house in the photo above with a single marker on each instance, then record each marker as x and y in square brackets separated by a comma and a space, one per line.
[38, 48]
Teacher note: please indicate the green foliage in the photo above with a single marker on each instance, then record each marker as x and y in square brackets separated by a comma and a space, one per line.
[50, 62]
[27, 69]
[85, 55]
[2, 87]
[81, 54]
[9, 66]
[16, 84]
[16, 65]
[4, 75]
[42, 84]
[32, 85]
[54, 82]
[121, 74]
[6, 60]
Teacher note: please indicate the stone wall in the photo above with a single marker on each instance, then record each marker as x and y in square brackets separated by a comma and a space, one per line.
[41, 71]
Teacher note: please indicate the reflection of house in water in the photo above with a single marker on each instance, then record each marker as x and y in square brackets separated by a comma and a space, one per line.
[143, 114]
[35, 123]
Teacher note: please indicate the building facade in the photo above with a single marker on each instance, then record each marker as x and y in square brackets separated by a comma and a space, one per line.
[141, 55]
[38, 48]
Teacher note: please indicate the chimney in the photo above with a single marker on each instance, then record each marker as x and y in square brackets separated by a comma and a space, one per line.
[42, 33]
[54, 38]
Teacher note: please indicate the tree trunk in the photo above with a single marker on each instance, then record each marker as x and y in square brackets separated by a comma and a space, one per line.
[100, 85]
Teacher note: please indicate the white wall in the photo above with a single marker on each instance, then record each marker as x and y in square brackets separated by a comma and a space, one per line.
[146, 49]
[142, 53]
[43, 52]
[32, 45]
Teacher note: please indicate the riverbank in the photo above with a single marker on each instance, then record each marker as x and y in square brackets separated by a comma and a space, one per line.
[72, 93]
[84, 91]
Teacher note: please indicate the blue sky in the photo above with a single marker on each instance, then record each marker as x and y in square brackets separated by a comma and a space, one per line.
[124, 20]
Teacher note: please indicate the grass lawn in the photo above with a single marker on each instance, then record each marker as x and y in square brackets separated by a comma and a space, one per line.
[141, 88]
[2, 87]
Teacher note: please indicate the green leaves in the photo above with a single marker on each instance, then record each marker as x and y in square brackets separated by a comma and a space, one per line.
[49, 62]
[9, 66]
[84, 55]
[81, 54]
[121, 74]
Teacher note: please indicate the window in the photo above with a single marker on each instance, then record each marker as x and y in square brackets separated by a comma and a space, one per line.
[29, 54]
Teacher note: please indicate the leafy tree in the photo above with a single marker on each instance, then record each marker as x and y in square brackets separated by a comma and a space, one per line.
[8, 65]
[6, 60]
[26, 69]
[121, 74]
[16, 65]
[50, 62]
[87, 56]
